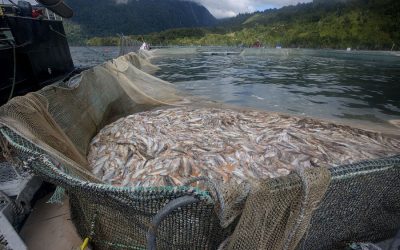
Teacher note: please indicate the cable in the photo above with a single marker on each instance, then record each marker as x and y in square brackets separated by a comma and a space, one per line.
[15, 74]
[12, 2]
[58, 33]
[86, 47]
[21, 45]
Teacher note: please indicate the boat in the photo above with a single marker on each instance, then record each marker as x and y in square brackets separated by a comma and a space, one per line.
[28, 35]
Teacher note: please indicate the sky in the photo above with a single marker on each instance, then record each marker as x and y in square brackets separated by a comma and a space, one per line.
[229, 8]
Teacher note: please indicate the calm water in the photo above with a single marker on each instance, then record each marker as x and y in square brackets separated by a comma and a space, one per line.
[360, 87]
[91, 56]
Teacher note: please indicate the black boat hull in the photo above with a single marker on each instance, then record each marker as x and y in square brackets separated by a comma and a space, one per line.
[41, 52]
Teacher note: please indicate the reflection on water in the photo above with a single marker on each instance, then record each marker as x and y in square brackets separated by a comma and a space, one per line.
[361, 86]
[91, 56]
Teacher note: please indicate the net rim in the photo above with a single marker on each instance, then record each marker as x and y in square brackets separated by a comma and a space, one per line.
[290, 181]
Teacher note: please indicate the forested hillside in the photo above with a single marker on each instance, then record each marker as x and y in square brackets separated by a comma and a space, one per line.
[360, 24]
[368, 24]
[110, 17]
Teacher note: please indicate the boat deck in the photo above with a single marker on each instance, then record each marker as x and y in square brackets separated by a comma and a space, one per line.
[49, 226]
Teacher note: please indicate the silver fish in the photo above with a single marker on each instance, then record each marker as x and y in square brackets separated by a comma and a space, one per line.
[167, 146]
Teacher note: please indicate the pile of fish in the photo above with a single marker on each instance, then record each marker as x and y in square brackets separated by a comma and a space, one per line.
[166, 147]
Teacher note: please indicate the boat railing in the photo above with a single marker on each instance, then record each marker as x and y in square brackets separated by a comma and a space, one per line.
[14, 10]
[52, 16]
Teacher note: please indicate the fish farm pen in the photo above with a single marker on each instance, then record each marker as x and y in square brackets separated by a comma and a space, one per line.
[147, 166]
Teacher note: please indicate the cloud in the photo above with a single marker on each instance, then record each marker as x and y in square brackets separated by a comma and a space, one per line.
[229, 8]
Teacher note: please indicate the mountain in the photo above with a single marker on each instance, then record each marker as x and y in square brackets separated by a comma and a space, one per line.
[337, 24]
[316, 11]
[110, 17]
[360, 24]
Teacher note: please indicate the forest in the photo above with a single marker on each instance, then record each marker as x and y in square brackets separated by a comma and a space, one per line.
[359, 24]
[111, 17]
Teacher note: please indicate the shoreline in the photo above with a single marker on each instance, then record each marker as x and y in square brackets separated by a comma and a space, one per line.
[71, 45]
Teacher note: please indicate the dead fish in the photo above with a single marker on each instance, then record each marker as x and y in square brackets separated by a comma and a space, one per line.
[165, 147]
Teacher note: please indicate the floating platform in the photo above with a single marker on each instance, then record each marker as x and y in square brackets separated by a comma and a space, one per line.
[220, 53]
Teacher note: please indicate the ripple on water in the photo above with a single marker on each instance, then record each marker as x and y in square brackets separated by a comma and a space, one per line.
[359, 86]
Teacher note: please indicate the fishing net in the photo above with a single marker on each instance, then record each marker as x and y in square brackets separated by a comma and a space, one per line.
[171, 52]
[317, 208]
[267, 52]
[128, 45]
[385, 56]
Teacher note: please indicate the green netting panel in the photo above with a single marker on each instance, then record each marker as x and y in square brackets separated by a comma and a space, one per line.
[116, 217]
[276, 217]
[362, 204]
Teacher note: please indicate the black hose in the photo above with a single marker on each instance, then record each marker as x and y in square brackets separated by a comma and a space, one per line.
[162, 214]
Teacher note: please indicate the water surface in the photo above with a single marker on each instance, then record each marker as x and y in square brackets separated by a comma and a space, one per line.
[359, 87]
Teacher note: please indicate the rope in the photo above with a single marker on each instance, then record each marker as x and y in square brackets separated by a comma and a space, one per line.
[86, 47]
[209, 184]
[17, 208]
[18, 46]
[55, 31]
[224, 208]
[12, 2]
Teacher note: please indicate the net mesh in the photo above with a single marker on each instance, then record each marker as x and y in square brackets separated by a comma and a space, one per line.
[282, 221]
[50, 131]
[386, 56]
[169, 52]
[128, 45]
